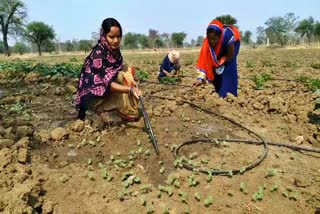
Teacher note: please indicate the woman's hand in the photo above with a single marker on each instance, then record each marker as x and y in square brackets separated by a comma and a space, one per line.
[197, 83]
[135, 92]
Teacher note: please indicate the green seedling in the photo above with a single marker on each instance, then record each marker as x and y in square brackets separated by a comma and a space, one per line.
[142, 76]
[193, 163]
[92, 143]
[137, 180]
[63, 178]
[294, 196]
[187, 211]
[173, 147]
[183, 196]
[140, 150]
[208, 201]
[272, 172]
[126, 175]
[285, 194]
[107, 176]
[100, 165]
[91, 176]
[166, 210]
[170, 80]
[209, 176]
[230, 193]
[162, 170]
[147, 152]
[275, 187]
[193, 155]
[205, 161]
[89, 162]
[143, 200]
[258, 196]
[150, 209]
[249, 64]
[242, 170]
[173, 181]
[146, 188]
[17, 108]
[178, 163]
[120, 163]
[130, 164]
[192, 180]
[197, 196]
[167, 189]
[261, 79]
[243, 188]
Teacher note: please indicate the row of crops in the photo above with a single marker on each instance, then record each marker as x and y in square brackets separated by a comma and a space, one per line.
[64, 69]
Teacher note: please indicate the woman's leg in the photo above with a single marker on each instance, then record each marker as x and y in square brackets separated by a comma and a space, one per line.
[126, 105]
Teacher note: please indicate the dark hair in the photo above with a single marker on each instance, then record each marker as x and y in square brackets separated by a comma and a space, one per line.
[110, 22]
[215, 31]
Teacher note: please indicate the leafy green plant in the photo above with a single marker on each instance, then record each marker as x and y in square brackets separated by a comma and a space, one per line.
[275, 187]
[258, 196]
[167, 189]
[311, 83]
[73, 59]
[142, 76]
[145, 188]
[170, 80]
[243, 188]
[17, 108]
[143, 200]
[197, 196]
[267, 63]
[272, 172]
[106, 175]
[289, 63]
[260, 80]
[166, 210]
[293, 196]
[162, 170]
[249, 64]
[315, 65]
[183, 197]
[208, 201]
[192, 180]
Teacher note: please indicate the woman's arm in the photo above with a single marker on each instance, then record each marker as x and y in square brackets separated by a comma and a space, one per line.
[167, 73]
[125, 89]
[229, 55]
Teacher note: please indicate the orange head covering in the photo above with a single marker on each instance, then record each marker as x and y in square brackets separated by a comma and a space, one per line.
[208, 57]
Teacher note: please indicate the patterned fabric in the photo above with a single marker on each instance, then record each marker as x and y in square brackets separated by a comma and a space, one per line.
[100, 68]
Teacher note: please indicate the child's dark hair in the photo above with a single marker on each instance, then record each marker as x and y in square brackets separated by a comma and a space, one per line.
[110, 22]
[215, 31]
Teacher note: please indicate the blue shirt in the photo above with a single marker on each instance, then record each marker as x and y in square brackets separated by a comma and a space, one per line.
[228, 39]
[167, 66]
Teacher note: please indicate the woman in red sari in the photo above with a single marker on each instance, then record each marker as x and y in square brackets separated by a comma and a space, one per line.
[217, 61]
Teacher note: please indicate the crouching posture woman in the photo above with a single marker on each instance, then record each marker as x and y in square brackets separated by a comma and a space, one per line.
[105, 86]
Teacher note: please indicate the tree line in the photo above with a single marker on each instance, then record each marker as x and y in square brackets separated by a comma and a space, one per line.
[37, 35]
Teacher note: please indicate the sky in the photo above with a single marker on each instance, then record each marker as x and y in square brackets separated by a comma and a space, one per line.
[77, 19]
